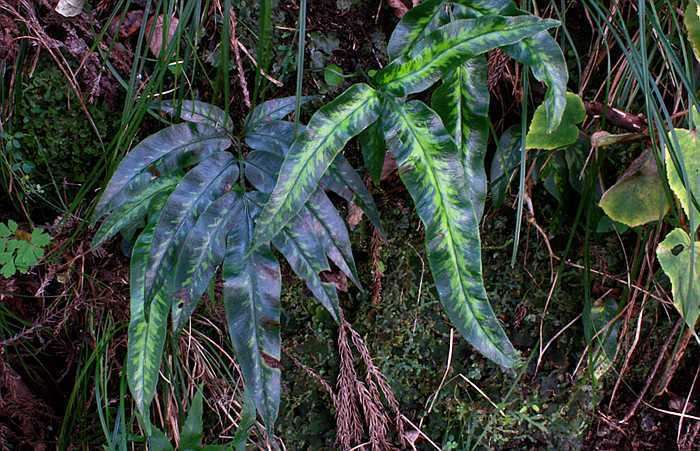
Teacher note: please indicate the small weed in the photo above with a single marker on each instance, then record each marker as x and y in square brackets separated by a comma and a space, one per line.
[20, 250]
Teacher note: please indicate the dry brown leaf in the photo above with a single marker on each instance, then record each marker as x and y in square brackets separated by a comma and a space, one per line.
[156, 43]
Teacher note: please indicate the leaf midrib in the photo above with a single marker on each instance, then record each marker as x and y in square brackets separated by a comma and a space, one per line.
[180, 224]
[335, 126]
[143, 168]
[433, 60]
[453, 253]
[254, 314]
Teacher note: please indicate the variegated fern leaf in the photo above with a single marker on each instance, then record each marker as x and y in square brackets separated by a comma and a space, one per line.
[440, 150]
[199, 207]
[194, 198]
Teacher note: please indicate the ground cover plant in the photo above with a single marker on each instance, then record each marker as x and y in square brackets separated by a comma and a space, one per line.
[467, 224]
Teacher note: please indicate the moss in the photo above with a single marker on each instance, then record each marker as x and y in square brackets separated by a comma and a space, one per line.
[408, 335]
[57, 142]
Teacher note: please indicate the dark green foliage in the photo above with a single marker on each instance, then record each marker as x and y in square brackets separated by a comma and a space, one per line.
[440, 155]
[57, 141]
[189, 190]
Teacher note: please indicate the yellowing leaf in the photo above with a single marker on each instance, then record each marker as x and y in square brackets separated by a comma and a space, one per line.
[638, 196]
[691, 19]
[690, 160]
[563, 135]
[674, 254]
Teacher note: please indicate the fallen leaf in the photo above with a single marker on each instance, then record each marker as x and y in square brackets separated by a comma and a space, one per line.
[156, 43]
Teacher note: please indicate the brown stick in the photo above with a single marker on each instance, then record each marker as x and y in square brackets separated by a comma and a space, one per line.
[619, 118]
[650, 378]
[673, 364]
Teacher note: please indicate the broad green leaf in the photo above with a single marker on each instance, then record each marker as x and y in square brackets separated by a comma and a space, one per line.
[133, 211]
[192, 429]
[542, 55]
[146, 335]
[329, 129]
[252, 285]
[373, 150]
[638, 197]
[40, 238]
[158, 441]
[462, 101]
[476, 8]
[27, 255]
[263, 164]
[682, 265]
[565, 134]
[692, 24]
[199, 256]
[163, 152]
[554, 174]
[4, 231]
[689, 153]
[333, 75]
[451, 45]
[208, 181]
[273, 110]
[8, 268]
[431, 167]
[505, 163]
[605, 225]
[199, 113]
[429, 15]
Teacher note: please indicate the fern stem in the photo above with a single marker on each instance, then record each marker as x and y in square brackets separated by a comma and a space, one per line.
[523, 164]
[300, 64]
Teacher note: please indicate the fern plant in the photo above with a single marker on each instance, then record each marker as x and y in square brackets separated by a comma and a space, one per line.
[189, 204]
[192, 207]
[440, 150]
